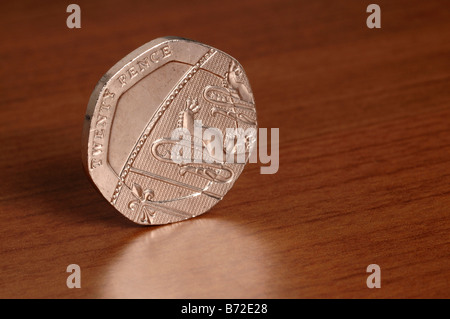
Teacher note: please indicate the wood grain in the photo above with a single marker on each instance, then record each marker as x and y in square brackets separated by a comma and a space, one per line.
[364, 177]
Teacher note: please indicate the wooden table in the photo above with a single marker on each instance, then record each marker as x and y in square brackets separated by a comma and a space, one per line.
[364, 176]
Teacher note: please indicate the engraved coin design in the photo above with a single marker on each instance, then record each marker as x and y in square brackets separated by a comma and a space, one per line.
[128, 141]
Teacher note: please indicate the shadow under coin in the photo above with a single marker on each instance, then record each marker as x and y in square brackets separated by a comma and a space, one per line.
[58, 189]
[199, 258]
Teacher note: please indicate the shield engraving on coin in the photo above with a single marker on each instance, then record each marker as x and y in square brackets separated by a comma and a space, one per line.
[128, 141]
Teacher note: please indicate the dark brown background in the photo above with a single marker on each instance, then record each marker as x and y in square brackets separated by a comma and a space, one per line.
[364, 176]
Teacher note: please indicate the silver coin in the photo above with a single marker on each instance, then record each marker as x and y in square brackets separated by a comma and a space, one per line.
[168, 85]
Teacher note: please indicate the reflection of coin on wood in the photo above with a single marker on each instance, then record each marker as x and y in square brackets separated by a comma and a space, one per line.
[166, 84]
